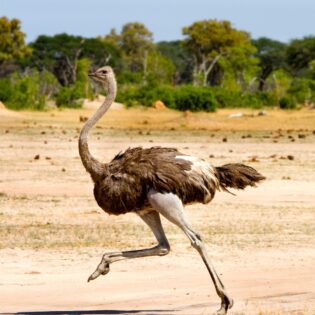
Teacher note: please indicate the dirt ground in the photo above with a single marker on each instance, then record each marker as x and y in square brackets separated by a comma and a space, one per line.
[52, 234]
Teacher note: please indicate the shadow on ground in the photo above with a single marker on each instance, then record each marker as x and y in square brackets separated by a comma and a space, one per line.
[92, 312]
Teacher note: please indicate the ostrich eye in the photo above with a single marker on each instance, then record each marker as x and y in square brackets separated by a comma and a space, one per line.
[104, 71]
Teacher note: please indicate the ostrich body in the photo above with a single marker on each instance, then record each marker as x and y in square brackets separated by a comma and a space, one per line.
[155, 181]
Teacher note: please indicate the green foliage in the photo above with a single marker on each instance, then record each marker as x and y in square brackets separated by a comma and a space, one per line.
[300, 53]
[72, 96]
[159, 69]
[6, 90]
[69, 97]
[182, 60]
[195, 99]
[12, 43]
[302, 89]
[25, 91]
[134, 41]
[271, 55]
[240, 72]
[230, 99]
[126, 77]
[180, 98]
[59, 54]
[287, 102]
[211, 40]
[166, 94]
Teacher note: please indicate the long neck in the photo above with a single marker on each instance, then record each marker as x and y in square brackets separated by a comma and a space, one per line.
[93, 166]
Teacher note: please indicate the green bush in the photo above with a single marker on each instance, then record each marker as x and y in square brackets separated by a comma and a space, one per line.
[181, 98]
[127, 77]
[69, 97]
[195, 99]
[231, 99]
[27, 91]
[164, 93]
[227, 98]
[287, 102]
[300, 89]
[72, 96]
[23, 91]
[129, 95]
[6, 90]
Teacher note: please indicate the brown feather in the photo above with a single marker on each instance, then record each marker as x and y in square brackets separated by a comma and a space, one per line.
[237, 176]
[130, 175]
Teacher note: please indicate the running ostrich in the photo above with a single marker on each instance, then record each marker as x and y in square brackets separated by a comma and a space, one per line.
[153, 182]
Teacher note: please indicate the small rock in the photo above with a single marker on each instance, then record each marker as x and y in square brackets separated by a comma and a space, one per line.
[290, 157]
[37, 157]
[224, 140]
[63, 169]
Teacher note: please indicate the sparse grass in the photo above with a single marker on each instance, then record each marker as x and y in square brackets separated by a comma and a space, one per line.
[43, 207]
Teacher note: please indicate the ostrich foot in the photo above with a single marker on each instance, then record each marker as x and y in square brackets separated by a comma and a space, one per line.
[102, 269]
[226, 304]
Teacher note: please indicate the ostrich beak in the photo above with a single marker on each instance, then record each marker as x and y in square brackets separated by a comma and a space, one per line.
[92, 74]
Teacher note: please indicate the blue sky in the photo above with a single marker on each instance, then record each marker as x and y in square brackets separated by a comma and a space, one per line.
[277, 19]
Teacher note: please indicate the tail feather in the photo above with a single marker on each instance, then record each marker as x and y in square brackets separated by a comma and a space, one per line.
[237, 176]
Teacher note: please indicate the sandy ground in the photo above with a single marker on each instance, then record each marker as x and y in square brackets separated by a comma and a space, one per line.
[52, 234]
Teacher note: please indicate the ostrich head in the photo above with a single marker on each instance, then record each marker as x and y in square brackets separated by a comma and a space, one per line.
[104, 75]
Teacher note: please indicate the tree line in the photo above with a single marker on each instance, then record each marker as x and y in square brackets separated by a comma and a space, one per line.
[214, 65]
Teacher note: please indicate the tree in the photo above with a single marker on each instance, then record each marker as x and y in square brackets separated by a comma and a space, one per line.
[209, 41]
[12, 44]
[183, 61]
[271, 55]
[300, 53]
[135, 41]
[60, 54]
[159, 69]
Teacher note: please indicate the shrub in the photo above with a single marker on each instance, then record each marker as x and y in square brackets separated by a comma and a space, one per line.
[195, 99]
[6, 90]
[181, 98]
[129, 95]
[230, 99]
[29, 90]
[69, 97]
[129, 77]
[164, 93]
[72, 96]
[227, 98]
[300, 88]
[287, 102]
[23, 91]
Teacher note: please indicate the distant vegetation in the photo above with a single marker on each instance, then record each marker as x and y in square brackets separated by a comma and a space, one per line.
[214, 66]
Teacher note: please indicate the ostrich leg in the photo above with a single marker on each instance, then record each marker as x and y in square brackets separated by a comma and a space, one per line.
[171, 207]
[152, 219]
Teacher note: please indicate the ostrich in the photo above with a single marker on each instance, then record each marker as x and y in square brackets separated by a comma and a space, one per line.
[157, 181]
